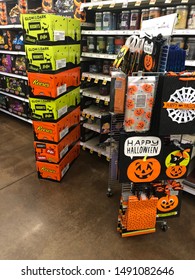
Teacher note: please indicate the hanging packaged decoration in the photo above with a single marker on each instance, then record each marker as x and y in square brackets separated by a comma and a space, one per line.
[145, 159]
[174, 109]
[169, 198]
[139, 103]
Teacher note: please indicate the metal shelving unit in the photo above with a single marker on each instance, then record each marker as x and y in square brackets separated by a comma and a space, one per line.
[15, 96]
[14, 75]
[13, 52]
[16, 116]
[93, 93]
[93, 146]
[99, 55]
[93, 111]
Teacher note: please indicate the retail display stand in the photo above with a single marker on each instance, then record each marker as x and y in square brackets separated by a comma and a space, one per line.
[54, 78]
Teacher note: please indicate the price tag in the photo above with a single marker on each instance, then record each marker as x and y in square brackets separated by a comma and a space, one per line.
[97, 100]
[138, 2]
[96, 81]
[152, 2]
[168, 1]
[99, 154]
[125, 4]
[89, 79]
[82, 78]
[91, 151]
[83, 148]
[107, 158]
[90, 7]
[105, 102]
[104, 82]
[87, 116]
[92, 117]
[184, 1]
[100, 6]
[83, 114]
[112, 5]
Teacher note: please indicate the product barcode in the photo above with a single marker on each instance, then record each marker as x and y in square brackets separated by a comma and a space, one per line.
[62, 111]
[64, 132]
[65, 169]
[61, 89]
[59, 35]
[118, 84]
[64, 151]
[140, 101]
[60, 63]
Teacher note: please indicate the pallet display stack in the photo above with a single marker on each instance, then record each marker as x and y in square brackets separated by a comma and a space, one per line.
[52, 45]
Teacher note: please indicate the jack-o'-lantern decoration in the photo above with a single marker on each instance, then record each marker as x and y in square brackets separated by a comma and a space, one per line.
[140, 125]
[130, 104]
[148, 115]
[176, 171]
[129, 122]
[147, 88]
[138, 112]
[151, 102]
[167, 203]
[144, 170]
[149, 62]
[132, 89]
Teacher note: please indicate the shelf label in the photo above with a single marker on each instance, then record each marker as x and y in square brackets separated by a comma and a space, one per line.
[83, 148]
[89, 79]
[90, 7]
[152, 2]
[91, 151]
[125, 4]
[97, 100]
[168, 1]
[184, 1]
[83, 114]
[99, 154]
[138, 2]
[104, 82]
[96, 81]
[112, 5]
[87, 116]
[107, 158]
[92, 117]
[105, 102]
[82, 78]
[100, 6]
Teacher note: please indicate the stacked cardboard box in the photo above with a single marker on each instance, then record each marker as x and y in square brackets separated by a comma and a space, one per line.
[52, 45]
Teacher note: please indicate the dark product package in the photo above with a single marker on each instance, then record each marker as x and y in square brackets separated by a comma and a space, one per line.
[5, 63]
[15, 86]
[174, 109]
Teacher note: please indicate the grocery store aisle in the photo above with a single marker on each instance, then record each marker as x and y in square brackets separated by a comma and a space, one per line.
[73, 219]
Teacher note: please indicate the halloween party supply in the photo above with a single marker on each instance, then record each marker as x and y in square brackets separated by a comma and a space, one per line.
[17, 107]
[134, 20]
[3, 13]
[139, 103]
[98, 21]
[19, 65]
[107, 21]
[174, 105]
[191, 18]
[182, 15]
[3, 101]
[145, 159]
[5, 63]
[15, 86]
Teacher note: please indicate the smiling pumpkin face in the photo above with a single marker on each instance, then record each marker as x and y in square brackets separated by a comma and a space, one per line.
[167, 203]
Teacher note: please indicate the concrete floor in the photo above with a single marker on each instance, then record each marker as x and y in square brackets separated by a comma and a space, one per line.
[73, 219]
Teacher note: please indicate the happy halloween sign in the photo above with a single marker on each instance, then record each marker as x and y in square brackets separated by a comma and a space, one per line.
[140, 146]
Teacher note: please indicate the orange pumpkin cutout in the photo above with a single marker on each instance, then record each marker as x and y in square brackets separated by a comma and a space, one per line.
[144, 170]
[130, 104]
[151, 102]
[147, 88]
[148, 115]
[132, 89]
[148, 62]
[129, 122]
[140, 125]
[167, 203]
[138, 112]
[176, 171]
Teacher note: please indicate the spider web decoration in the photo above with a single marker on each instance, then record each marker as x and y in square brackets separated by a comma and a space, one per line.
[183, 95]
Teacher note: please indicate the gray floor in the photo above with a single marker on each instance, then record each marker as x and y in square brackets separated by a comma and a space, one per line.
[73, 219]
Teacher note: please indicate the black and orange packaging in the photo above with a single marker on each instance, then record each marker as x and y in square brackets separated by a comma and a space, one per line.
[52, 152]
[54, 171]
[53, 85]
[55, 131]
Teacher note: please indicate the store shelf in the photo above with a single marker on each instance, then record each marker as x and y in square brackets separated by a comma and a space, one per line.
[94, 127]
[190, 63]
[94, 112]
[11, 26]
[188, 189]
[99, 55]
[96, 77]
[109, 32]
[92, 145]
[16, 116]
[184, 32]
[13, 52]
[13, 75]
[87, 24]
[107, 4]
[93, 93]
[14, 96]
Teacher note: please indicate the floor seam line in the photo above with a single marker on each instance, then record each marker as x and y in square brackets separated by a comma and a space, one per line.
[17, 181]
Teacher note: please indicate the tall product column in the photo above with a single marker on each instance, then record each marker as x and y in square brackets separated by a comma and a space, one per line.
[52, 45]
